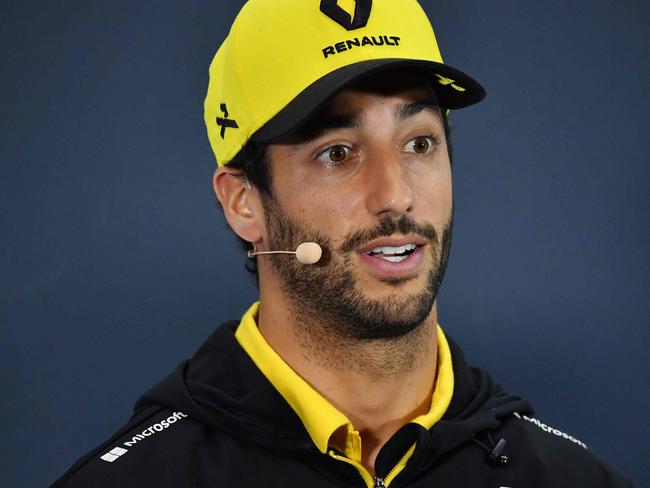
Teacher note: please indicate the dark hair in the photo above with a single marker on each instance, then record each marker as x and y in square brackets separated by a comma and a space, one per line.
[252, 162]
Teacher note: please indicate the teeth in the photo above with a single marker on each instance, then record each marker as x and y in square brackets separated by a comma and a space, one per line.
[388, 250]
[393, 259]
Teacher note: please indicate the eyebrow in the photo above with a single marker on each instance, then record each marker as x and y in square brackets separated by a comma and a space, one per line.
[410, 109]
[321, 124]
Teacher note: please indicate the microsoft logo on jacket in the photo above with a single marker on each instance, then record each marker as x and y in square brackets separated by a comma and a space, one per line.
[116, 452]
[113, 454]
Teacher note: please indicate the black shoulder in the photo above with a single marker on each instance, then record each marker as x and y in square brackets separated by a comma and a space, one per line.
[139, 454]
[561, 459]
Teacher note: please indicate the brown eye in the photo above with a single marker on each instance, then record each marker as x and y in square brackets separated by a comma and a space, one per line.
[421, 145]
[333, 156]
[338, 154]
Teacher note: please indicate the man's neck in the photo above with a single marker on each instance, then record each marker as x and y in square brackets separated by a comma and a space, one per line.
[379, 385]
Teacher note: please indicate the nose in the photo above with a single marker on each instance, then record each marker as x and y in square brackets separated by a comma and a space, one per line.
[389, 191]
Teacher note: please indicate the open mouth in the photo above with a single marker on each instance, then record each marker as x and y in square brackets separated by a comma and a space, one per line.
[393, 254]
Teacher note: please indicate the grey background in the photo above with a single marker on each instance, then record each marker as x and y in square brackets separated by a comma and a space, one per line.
[115, 262]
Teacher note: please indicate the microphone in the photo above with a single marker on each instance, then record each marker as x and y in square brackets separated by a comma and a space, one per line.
[306, 253]
[496, 454]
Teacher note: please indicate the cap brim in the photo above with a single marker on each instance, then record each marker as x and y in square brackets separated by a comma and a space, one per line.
[457, 90]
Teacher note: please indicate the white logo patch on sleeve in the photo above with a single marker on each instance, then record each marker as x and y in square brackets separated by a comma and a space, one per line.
[116, 452]
[550, 430]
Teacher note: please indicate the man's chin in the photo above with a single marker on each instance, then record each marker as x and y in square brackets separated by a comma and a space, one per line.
[392, 315]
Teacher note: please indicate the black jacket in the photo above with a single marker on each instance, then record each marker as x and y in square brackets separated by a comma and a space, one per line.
[216, 421]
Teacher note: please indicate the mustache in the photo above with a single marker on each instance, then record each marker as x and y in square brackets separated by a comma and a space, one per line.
[387, 227]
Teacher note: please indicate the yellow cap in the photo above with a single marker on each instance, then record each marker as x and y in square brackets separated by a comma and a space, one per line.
[283, 58]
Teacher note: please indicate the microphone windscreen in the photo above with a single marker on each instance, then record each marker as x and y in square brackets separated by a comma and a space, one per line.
[309, 253]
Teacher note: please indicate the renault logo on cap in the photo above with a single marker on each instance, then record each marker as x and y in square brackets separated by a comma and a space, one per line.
[333, 10]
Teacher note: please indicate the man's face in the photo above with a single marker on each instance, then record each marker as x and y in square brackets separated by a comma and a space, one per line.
[368, 179]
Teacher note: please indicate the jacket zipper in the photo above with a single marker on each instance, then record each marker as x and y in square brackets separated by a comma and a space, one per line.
[377, 481]
[398, 467]
[367, 477]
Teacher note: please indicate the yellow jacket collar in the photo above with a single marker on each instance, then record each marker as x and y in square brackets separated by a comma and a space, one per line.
[320, 418]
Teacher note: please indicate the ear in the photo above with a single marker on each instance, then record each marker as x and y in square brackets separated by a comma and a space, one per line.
[241, 203]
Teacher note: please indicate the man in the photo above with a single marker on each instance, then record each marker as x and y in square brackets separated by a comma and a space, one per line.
[330, 131]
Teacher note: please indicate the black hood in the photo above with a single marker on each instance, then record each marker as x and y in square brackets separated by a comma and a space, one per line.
[221, 387]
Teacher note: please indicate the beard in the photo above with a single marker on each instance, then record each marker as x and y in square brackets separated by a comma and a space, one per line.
[327, 294]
